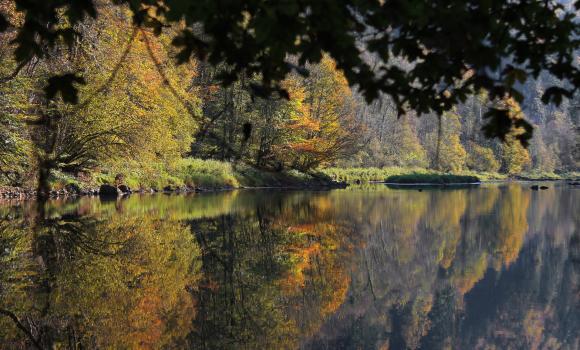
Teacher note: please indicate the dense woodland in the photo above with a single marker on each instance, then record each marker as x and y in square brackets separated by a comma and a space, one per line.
[140, 113]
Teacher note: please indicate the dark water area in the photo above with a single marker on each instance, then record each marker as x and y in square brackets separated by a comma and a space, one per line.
[370, 267]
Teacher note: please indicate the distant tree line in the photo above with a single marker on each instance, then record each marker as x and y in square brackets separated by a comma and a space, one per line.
[454, 142]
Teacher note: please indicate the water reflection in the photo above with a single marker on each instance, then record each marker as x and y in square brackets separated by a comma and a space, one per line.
[361, 268]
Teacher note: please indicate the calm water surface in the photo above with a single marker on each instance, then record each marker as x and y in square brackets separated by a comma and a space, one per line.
[494, 267]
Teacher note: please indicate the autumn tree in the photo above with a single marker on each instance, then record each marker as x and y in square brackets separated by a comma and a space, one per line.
[451, 155]
[543, 156]
[515, 157]
[402, 146]
[257, 38]
[482, 159]
[321, 118]
[122, 103]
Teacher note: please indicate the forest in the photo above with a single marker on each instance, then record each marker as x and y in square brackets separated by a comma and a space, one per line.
[142, 119]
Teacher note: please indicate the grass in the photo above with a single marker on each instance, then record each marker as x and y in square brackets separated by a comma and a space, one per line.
[543, 175]
[213, 174]
[352, 175]
[441, 179]
[59, 180]
[205, 174]
[251, 177]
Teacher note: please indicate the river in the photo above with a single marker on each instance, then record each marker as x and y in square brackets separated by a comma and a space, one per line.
[368, 267]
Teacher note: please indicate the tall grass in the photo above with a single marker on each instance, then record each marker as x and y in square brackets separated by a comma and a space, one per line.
[213, 174]
[207, 173]
[367, 174]
[352, 175]
[432, 179]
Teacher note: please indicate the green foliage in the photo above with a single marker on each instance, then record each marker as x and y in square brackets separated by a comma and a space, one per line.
[515, 157]
[404, 149]
[351, 175]
[452, 155]
[60, 180]
[140, 114]
[256, 38]
[432, 179]
[207, 173]
[482, 159]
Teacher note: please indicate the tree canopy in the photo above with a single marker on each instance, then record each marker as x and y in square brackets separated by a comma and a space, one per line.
[428, 56]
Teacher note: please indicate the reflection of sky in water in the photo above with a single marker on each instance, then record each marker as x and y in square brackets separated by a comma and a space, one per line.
[362, 268]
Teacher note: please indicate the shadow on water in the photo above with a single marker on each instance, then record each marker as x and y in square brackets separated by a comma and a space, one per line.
[367, 267]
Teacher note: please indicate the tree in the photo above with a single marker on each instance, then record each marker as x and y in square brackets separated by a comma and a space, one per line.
[515, 157]
[562, 138]
[482, 159]
[321, 110]
[402, 144]
[451, 154]
[543, 156]
[454, 47]
[120, 103]
[307, 130]
[15, 146]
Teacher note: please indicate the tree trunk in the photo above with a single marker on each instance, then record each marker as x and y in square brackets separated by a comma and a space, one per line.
[44, 169]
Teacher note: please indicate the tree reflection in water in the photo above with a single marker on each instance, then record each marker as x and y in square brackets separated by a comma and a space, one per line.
[98, 282]
[362, 268]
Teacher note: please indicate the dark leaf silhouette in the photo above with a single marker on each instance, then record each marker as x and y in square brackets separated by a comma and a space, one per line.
[554, 95]
[3, 23]
[441, 41]
[64, 84]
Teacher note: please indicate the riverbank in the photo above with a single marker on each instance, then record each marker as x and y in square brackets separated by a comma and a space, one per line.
[196, 175]
[421, 175]
[189, 176]
[432, 179]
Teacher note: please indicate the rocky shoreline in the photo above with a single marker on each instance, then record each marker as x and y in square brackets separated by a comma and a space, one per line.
[9, 192]
[111, 191]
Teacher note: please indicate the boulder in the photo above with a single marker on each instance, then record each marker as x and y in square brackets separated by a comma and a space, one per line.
[72, 188]
[124, 188]
[109, 191]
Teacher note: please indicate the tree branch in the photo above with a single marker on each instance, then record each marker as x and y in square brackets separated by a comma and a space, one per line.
[21, 326]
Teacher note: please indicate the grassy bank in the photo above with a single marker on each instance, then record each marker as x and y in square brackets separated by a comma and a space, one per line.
[410, 175]
[442, 179]
[192, 173]
[547, 176]
[212, 174]
[352, 175]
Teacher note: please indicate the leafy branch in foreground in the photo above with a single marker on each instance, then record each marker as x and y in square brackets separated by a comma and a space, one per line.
[432, 54]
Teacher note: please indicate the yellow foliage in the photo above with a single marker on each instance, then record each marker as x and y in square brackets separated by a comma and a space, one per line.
[513, 224]
[320, 113]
